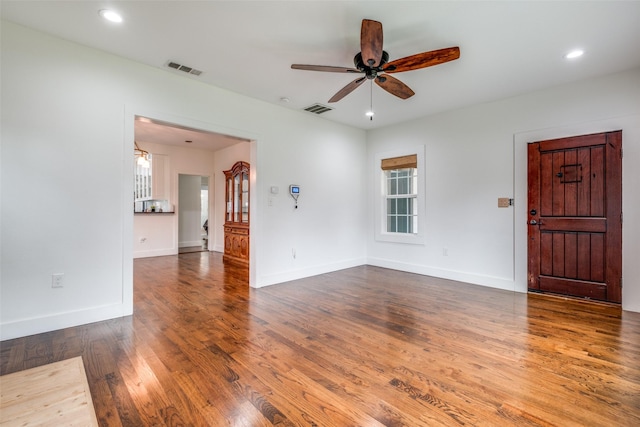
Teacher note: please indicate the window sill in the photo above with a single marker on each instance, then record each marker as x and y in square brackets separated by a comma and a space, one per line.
[411, 239]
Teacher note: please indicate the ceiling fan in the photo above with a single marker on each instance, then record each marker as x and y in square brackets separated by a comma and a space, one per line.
[372, 61]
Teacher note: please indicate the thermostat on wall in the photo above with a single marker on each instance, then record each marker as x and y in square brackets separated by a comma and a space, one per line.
[294, 190]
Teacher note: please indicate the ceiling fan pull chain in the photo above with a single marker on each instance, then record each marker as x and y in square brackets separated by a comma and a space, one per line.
[370, 112]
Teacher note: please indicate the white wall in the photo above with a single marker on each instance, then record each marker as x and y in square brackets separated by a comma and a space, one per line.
[477, 154]
[154, 235]
[189, 226]
[67, 143]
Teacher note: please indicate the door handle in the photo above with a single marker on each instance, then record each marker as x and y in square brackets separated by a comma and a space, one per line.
[533, 222]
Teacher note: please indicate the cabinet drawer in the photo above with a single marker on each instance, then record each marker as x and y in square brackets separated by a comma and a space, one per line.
[239, 231]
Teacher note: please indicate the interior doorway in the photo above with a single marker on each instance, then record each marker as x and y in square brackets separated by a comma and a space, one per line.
[175, 136]
[193, 213]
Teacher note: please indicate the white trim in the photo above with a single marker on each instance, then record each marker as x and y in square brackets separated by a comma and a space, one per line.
[504, 283]
[156, 252]
[190, 243]
[287, 276]
[379, 220]
[37, 325]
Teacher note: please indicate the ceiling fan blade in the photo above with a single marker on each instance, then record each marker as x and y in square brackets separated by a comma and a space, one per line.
[422, 60]
[326, 68]
[371, 42]
[394, 86]
[347, 89]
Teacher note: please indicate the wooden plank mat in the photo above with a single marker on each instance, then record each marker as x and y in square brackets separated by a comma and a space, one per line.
[56, 394]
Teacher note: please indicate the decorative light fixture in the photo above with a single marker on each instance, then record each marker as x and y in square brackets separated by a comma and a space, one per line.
[574, 54]
[141, 155]
[110, 15]
[370, 113]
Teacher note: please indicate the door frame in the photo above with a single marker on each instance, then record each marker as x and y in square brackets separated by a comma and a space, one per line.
[209, 207]
[630, 126]
[611, 227]
[178, 118]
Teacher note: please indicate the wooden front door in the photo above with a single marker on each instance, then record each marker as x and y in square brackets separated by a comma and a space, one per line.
[575, 216]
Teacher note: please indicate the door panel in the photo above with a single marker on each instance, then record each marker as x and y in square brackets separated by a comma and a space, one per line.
[575, 208]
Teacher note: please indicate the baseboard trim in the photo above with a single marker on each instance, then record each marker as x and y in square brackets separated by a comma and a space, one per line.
[189, 244]
[37, 325]
[155, 252]
[474, 279]
[288, 276]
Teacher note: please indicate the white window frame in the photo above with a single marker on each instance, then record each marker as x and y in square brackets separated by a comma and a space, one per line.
[380, 221]
[410, 217]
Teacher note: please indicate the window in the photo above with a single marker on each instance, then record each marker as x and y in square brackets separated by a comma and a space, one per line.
[401, 206]
[400, 210]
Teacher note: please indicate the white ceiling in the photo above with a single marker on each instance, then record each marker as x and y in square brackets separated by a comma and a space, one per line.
[507, 47]
[149, 130]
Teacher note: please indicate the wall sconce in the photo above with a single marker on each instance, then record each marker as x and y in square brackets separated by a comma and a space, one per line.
[141, 155]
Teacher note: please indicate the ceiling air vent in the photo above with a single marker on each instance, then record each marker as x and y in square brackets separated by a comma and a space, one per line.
[318, 109]
[183, 68]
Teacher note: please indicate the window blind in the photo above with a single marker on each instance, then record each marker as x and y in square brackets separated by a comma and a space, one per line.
[402, 162]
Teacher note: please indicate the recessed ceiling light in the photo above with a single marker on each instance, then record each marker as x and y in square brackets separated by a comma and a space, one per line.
[574, 54]
[110, 15]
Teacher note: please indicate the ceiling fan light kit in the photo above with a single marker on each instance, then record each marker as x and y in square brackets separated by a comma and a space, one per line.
[372, 61]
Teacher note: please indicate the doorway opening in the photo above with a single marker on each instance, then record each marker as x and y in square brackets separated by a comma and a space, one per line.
[193, 213]
[202, 154]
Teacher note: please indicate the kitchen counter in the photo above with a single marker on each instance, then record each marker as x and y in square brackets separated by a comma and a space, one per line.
[153, 213]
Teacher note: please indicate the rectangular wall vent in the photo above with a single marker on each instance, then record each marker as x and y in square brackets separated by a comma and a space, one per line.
[318, 109]
[184, 68]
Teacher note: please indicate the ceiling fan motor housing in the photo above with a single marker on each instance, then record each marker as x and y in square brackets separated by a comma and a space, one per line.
[370, 72]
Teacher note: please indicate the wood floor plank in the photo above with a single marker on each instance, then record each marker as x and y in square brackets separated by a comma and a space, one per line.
[361, 346]
[52, 394]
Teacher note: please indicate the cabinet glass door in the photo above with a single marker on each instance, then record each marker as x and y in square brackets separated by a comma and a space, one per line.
[237, 194]
[229, 198]
[245, 197]
[237, 198]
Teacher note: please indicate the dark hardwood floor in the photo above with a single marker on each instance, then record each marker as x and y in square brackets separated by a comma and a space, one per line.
[364, 346]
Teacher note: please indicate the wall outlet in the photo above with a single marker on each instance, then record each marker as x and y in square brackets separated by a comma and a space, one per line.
[445, 252]
[56, 280]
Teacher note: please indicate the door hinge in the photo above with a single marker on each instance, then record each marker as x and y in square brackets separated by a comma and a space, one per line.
[621, 219]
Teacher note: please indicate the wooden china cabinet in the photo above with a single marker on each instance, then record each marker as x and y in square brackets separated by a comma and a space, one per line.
[236, 225]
